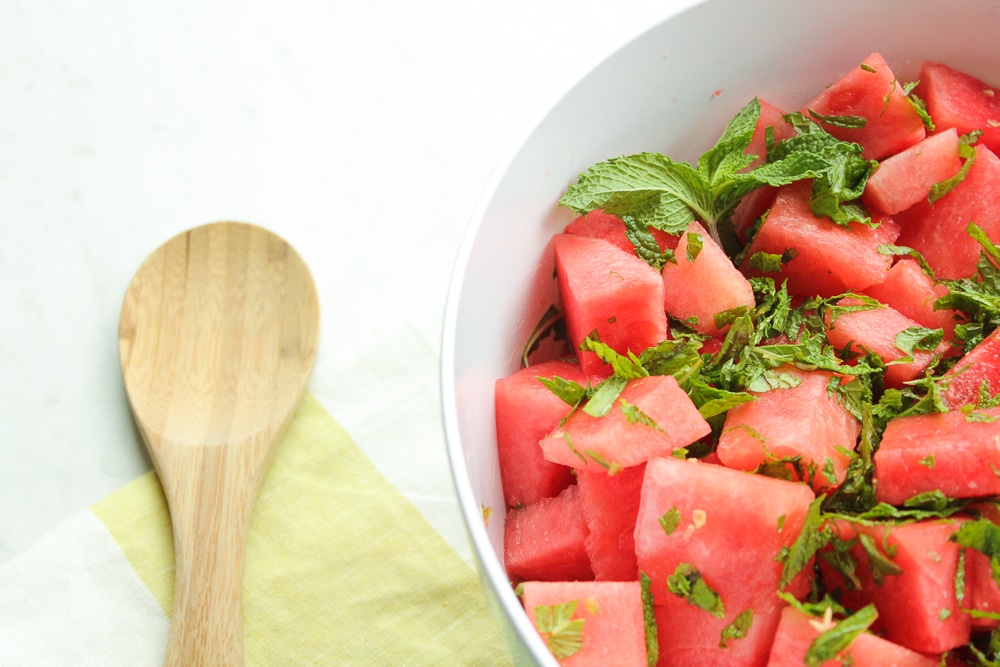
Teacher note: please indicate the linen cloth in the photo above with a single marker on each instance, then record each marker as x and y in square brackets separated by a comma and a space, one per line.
[340, 570]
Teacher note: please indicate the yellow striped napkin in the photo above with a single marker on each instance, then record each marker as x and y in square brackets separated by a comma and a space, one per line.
[340, 568]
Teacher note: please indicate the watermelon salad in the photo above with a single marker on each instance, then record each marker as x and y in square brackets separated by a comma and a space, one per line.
[760, 423]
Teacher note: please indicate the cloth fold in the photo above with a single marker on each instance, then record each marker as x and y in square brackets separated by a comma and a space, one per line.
[340, 570]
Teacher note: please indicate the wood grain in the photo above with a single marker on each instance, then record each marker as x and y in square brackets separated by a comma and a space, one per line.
[217, 339]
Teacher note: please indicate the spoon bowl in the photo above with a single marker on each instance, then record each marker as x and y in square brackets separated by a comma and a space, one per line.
[217, 340]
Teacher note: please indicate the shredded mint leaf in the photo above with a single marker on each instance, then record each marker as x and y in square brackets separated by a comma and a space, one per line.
[849, 122]
[879, 563]
[676, 357]
[649, 620]
[839, 638]
[552, 324]
[646, 245]
[919, 105]
[694, 244]
[738, 629]
[712, 401]
[562, 633]
[604, 396]
[635, 415]
[624, 366]
[915, 339]
[571, 393]
[939, 190]
[814, 536]
[670, 520]
[765, 262]
[903, 251]
[984, 536]
[687, 583]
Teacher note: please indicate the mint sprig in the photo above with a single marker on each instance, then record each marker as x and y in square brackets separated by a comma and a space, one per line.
[653, 191]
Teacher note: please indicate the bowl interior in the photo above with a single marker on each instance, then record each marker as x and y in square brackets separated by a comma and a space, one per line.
[672, 90]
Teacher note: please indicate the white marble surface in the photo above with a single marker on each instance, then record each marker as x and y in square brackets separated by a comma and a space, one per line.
[360, 130]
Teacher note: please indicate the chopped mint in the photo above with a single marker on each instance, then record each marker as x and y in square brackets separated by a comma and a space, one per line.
[562, 633]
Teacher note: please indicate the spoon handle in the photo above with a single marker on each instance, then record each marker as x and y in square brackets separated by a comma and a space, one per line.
[210, 491]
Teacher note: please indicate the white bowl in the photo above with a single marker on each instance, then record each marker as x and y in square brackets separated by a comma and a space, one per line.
[671, 90]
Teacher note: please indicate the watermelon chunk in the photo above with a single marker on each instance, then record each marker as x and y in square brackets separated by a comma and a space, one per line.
[695, 291]
[949, 452]
[652, 417]
[937, 230]
[957, 100]
[903, 179]
[797, 631]
[876, 330]
[600, 225]
[526, 411]
[610, 291]
[870, 91]
[980, 365]
[916, 603]
[547, 540]
[912, 292]
[613, 631]
[730, 527]
[803, 422]
[828, 259]
[610, 504]
[687, 637]
[753, 205]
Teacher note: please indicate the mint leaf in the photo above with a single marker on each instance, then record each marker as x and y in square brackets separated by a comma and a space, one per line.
[645, 244]
[813, 537]
[914, 339]
[654, 189]
[903, 251]
[649, 620]
[670, 520]
[571, 393]
[939, 190]
[984, 536]
[562, 633]
[849, 122]
[738, 629]
[830, 644]
[687, 583]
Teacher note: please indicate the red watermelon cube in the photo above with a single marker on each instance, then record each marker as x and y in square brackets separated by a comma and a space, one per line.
[753, 205]
[903, 179]
[798, 630]
[610, 504]
[804, 422]
[957, 100]
[872, 92]
[600, 225]
[526, 411]
[917, 604]
[611, 632]
[695, 291]
[937, 230]
[728, 529]
[912, 292]
[652, 417]
[826, 259]
[951, 452]
[980, 365]
[875, 330]
[612, 292]
[547, 541]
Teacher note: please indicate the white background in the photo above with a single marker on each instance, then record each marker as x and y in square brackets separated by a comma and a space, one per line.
[362, 131]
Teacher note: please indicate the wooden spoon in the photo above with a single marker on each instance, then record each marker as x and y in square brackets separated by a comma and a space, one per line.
[217, 339]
